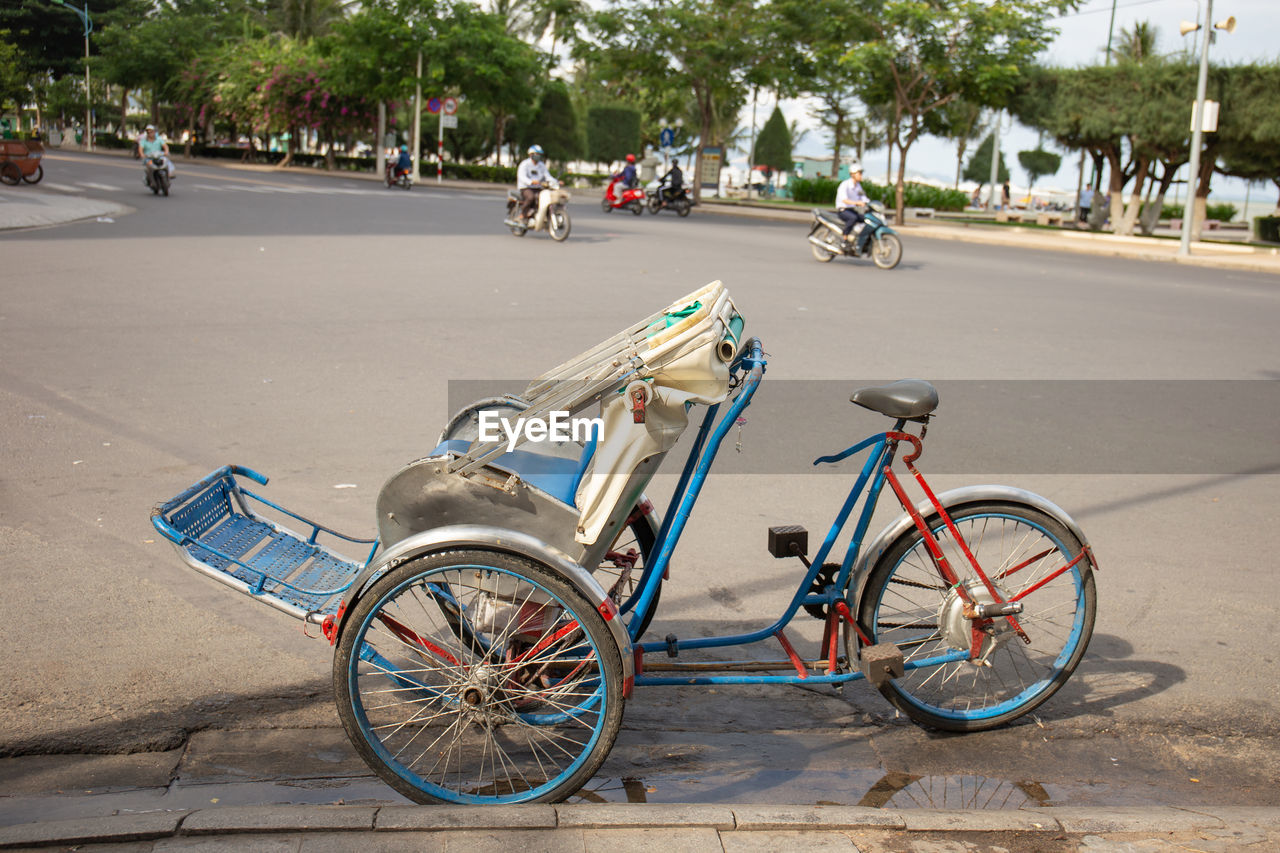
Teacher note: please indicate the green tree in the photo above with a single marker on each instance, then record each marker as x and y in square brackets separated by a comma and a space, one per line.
[773, 145]
[921, 56]
[612, 133]
[555, 125]
[13, 76]
[1136, 43]
[1037, 163]
[960, 123]
[979, 168]
[703, 48]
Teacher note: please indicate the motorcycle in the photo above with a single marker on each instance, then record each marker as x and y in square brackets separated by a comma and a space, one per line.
[157, 175]
[872, 237]
[664, 197]
[404, 180]
[632, 199]
[551, 216]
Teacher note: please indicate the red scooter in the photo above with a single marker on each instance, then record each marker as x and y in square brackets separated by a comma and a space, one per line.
[632, 199]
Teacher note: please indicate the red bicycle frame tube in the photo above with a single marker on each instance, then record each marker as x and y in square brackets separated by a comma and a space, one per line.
[935, 550]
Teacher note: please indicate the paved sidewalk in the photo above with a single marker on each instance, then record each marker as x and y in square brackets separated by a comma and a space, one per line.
[621, 828]
[25, 208]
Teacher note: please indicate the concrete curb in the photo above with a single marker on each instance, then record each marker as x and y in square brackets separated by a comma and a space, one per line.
[731, 820]
[41, 211]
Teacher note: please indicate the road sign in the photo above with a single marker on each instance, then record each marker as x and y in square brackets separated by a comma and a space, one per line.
[433, 105]
[449, 121]
[450, 107]
[667, 137]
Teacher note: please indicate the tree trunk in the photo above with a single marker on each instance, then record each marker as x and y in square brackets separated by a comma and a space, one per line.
[124, 112]
[1151, 212]
[329, 162]
[835, 154]
[1208, 158]
[899, 205]
[1115, 187]
[1124, 225]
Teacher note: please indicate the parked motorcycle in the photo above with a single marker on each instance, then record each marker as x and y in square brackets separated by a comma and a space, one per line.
[664, 198]
[632, 199]
[870, 238]
[157, 175]
[551, 216]
[404, 180]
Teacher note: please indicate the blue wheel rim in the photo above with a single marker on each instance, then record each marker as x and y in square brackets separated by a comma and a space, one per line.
[593, 706]
[1029, 693]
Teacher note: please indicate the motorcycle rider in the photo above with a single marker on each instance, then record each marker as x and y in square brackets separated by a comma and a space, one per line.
[849, 198]
[672, 182]
[150, 144]
[531, 177]
[626, 178]
[404, 164]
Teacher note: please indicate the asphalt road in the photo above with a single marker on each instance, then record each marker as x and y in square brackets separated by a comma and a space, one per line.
[310, 327]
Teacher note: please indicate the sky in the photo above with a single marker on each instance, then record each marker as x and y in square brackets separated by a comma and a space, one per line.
[1082, 40]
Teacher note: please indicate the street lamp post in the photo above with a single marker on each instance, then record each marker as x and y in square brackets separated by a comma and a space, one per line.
[1197, 119]
[88, 97]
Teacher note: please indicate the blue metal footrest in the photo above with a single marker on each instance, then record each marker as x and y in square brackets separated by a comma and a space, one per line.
[219, 535]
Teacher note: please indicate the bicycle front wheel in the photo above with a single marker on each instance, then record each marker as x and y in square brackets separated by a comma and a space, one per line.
[907, 603]
[478, 677]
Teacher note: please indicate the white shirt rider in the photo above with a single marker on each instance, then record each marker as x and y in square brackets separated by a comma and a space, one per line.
[533, 175]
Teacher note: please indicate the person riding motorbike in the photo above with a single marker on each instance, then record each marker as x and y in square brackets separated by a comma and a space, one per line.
[150, 144]
[627, 177]
[672, 182]
[404, 164]
[531, 178]
[850, 198]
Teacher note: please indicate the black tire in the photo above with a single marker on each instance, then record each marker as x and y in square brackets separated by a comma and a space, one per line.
[886, 250]
[406, 183]
[683, 207]
[34, 177]
[153, 181]
[518, 230]
[821, 255]
[655, 204]
[558, 225]
[637, 208]
[10, 173]
[494, 651]
[162, 179]
[907, 603]
[605, 205]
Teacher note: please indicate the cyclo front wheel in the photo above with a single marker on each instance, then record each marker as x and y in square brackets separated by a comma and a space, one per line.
[907, 603]
[478, 677]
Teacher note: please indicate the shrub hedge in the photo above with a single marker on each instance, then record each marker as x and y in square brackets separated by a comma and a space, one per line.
[822, 190]
[1223, 212]
[1267, 228]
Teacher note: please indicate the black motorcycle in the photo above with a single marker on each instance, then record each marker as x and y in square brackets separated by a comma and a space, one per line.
[665, 197]
[157, 175]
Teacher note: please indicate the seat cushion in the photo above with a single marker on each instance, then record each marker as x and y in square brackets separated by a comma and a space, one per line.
[555, 475]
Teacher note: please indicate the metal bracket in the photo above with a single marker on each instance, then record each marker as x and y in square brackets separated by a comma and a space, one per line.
[882, 663]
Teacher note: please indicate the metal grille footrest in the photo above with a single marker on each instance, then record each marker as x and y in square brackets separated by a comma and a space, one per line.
[217, 533]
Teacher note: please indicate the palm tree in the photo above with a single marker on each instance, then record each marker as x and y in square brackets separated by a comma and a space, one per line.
[1137, 44]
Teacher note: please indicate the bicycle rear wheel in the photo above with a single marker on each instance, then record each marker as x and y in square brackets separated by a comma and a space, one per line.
[908, 604]
[478, 677]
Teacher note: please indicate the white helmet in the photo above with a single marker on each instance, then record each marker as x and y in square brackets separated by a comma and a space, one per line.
[854, 168]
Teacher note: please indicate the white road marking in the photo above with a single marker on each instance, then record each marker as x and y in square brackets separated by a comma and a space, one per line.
[91, 185]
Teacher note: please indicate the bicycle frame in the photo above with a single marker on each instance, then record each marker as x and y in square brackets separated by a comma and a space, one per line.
[876, 472]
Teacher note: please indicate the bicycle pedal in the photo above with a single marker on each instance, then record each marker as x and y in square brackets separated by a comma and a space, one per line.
[788, 540]
[882, 663]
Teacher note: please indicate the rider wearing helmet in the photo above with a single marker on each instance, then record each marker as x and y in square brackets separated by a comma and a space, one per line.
[531, 177]
[404, 165]
[629, 173]
[151, 144]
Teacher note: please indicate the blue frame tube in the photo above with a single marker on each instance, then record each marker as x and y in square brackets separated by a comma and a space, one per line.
[674, 525]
